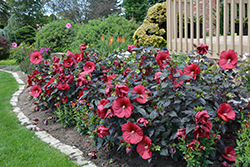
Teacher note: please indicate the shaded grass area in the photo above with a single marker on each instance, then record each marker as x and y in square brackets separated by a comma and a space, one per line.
[19, 147]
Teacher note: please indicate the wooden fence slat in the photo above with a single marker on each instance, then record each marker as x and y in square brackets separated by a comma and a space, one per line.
[241, 27]
[225, 25]
[248, 15]
[204, 21]
[232, 24]
[210, 26]
[218, 27]
[180, 24]
[191, 23]
[198, 22]
[186, 27]
[175, 25]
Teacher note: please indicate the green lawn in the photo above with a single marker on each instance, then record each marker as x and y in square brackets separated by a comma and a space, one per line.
[19, 147]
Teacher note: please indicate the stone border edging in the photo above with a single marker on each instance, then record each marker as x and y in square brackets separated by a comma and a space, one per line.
[72, 151]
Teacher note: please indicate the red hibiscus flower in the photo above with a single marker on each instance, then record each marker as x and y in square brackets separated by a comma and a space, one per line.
[216, 138]
[132, 133]
[181, 133]
[48, 88]
[142, 121]
[157, 77]
[225, 111]
[102, 112]
[63, 86]
[126, 72]
[130, 47]
[192, 70]
[81, 81]
[36, 57]
[202, 117]
[89, 67]
[78, 57]
[143, 148]
[70, 78]
[162, 58]
[140, 90]
[55, 59]
[102, 131]
[82, 47]
[109, 90]
[201, 132]
[129, 150]
[61, 78]
[122, 107]
[173, 79]
[224, 164]
[116, 63]
[64, 99]
[202, 49]
[121, 90]
[68, 62]
[228, 60]
[230, 153]
[35, 90]
[193, 144]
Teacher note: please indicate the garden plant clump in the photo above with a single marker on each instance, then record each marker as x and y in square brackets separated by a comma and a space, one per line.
[147, 102]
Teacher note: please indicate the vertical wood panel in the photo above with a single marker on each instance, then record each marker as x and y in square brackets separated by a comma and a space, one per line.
[241, 27]
[210, 25]
[191, 23]
[204, 21]
[175, 25]
[218, 27]
[198, 21]
[225, 25]
[180, 24]
[169, 34]
[186, 27]
[248, 15]
[233, 24]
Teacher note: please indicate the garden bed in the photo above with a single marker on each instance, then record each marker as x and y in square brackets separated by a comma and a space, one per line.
[108, 157]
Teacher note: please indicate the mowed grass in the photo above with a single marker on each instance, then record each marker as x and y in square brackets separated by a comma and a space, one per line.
[19, 147]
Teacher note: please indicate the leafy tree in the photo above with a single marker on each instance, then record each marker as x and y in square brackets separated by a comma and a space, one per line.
[4, 15]
[138, 8]
[27, 12]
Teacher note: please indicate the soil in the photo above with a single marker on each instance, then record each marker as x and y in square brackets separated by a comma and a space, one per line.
[108, 157]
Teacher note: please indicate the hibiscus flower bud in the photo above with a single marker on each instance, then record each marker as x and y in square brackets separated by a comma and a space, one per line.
[224, 164]
[93, 155]
[129, 150]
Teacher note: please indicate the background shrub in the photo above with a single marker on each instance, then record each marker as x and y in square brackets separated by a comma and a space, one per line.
[113, 25]
[4, 47]
[25, 34]
[21, 52]
[153, 30]
[56, 36]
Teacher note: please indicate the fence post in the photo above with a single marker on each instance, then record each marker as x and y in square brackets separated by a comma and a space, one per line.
[218, 27]
[225, 25]
[233, 24]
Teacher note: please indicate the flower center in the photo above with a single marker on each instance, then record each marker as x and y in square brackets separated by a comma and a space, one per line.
[225, 114]
[89, 67]
[146, 147]
[132, 131]
[123, 106]
[229, 155]
[229, 60]
[36, 91]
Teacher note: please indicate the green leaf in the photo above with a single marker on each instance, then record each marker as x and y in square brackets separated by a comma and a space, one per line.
[173, 114]
[164, 152]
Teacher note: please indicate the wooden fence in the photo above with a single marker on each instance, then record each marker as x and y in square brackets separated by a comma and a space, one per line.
[181, 34]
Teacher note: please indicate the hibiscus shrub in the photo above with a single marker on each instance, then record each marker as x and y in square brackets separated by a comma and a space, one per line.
[146, 101]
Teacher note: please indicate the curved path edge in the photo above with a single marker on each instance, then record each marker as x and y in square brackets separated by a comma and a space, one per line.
[75, 154]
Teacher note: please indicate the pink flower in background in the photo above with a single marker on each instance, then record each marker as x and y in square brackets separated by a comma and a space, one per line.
[14, 44]
[68, 25]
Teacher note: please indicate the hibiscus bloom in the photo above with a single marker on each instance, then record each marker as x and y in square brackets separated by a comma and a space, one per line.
[202, 49]
[192, 70]
[130, 47]
[63, 86]
[48, 88]
[82, 47]
[157, 77]
[68, 25]
[143, 148]
[228, 60]
[61, 78]
[81, 81]
[14, 44]
[132, 133]
[181, 133]
[142, 121]
[36, 57]
[121, 90]
[230, 153]
[35, 90]
[201, 132]
[78, 57]
[193, 144]
[102, 112]
[224, 164]
[162, 59]
[225, 111]
[126, 72]
[102, 131]
[64, 99]
[89, 67]
[122, 107]
[202, 117]
[68, 62]
[140, 90]
[55, 59]
[70, 78]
